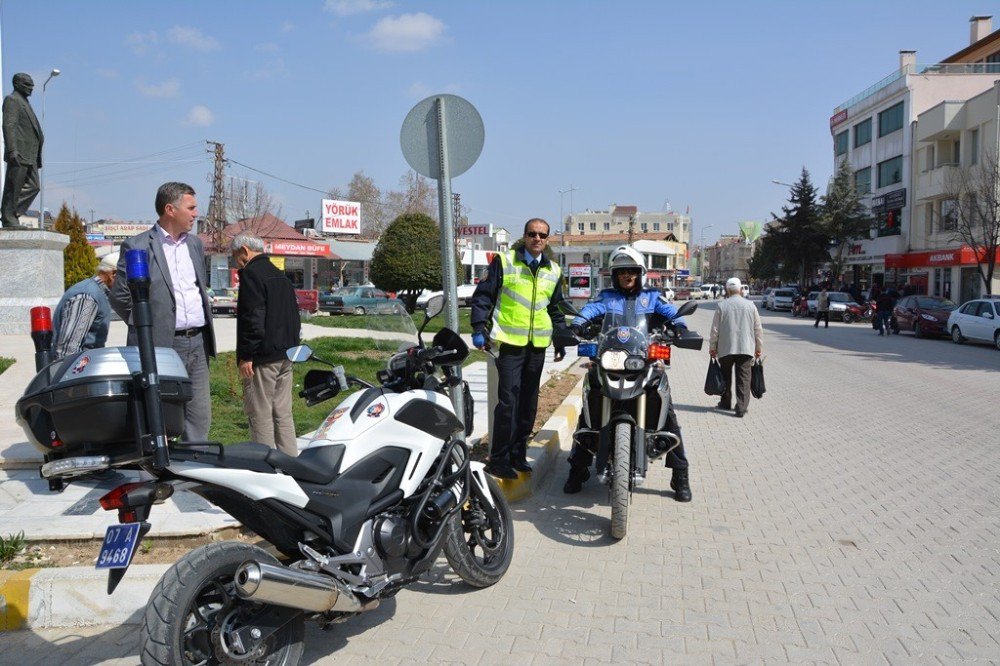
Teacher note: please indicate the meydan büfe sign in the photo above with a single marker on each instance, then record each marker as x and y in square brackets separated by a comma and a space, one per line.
[341, 217]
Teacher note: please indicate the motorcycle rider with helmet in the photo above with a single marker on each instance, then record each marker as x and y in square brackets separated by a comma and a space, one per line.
[627, 272]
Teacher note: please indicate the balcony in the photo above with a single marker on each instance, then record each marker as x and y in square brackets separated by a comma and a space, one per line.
[899, 75]
[941, 122]
[935, 183]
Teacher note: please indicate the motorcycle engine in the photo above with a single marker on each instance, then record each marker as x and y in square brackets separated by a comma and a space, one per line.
[392, 536]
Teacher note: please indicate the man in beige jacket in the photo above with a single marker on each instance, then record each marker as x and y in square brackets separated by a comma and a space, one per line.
[737, 338]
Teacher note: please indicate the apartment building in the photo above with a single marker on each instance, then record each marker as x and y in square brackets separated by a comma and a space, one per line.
[666, 259]
[954, 140]
[619, 219]
[728, 257]
[874, 132]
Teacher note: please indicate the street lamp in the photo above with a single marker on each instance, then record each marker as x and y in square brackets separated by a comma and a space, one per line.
[562, 222]
[41, 177]
[778, 182]
[701, 255]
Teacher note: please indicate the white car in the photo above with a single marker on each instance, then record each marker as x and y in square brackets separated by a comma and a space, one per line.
[668, 294]
[978, 320]
[464, 293]
[780, 299]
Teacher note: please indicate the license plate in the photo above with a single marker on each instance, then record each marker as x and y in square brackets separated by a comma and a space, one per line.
[118, 547]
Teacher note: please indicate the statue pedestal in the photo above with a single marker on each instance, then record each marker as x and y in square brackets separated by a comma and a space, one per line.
[31, 274]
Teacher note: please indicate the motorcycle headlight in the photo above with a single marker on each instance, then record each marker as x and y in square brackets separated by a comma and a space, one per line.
[614, 359]
[928, 317]
[635, 363]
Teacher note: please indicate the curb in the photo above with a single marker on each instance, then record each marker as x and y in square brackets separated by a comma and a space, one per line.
[77, 596]
[543, 451]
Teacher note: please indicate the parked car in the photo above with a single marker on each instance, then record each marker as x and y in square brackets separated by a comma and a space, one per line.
[696, 294]
[669, 294]
[712, 290]
[780, 299]
[839, 300]
[745, 291]
[464, 293]
[811, 301]
[978, 320]
[682, 294]
[924, 315]
[223, 301]
[359, 300]
[308, 300]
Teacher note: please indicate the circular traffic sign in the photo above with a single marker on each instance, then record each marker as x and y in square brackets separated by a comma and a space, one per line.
[464, 136]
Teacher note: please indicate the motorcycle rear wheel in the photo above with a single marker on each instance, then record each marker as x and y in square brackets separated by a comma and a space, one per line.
[196, 598]
[620, 474]
[479, 540]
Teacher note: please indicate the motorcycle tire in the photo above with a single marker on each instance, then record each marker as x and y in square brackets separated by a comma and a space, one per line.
[182, 617]
[488, 529]
[620, 474]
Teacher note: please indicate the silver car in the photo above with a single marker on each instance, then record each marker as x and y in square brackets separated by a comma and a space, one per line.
[780, 299]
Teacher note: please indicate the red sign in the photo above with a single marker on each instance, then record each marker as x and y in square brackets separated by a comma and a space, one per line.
[475, 230]
[838, 118]
[234, 277]
[297, 249]
[963, 256]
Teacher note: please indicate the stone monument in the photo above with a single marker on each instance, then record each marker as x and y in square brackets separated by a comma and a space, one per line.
[32, 264]
[22, 136]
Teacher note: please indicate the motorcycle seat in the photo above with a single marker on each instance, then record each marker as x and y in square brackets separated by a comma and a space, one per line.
[317, 464]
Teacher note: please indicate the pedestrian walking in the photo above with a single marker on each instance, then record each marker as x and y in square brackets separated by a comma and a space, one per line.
[883, 311]
[823, 307]
[83, 315]
[178, 297]
[267, 326]
[516, 306]
[737, 338]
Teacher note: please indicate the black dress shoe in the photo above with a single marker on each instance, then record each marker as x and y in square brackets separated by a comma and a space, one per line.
[723, 405]
[500, 470]
[679, 484]
[521, 466]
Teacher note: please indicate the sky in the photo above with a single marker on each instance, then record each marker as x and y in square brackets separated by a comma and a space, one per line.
[696, 106]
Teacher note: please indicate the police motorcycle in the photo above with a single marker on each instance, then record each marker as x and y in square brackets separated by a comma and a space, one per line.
[627, 381]
[384, 486]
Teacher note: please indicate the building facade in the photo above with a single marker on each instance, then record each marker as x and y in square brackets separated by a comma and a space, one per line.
[874, 133]
[728, 257]
[665, 258]
[956, 141]
[619, 219]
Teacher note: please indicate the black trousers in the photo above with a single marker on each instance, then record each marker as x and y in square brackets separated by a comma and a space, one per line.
[743, 364]
[582, 454]
[520, 373]
[822, 314]
[19, 189]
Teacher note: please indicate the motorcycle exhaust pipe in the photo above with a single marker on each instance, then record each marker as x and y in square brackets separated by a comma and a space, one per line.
[282, 586]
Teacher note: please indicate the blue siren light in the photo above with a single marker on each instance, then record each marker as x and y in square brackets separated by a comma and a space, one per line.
[136, 265]
[588, 349]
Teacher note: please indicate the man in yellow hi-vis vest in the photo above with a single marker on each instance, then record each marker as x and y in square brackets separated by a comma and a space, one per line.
[516, 306]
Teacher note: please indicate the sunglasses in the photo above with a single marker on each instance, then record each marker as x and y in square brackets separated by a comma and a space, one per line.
[537, 234]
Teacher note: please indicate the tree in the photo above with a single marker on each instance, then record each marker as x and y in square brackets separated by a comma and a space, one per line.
[249, 202]
[79, 260]
[407, 259]
[977, 212]
[800, 238]
[765, 263]
[416, 195]
[843, 216]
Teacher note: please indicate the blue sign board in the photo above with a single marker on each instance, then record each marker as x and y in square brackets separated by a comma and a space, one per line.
[683, 272]
[93, 237]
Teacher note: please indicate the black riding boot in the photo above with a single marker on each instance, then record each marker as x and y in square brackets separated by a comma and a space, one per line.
[679, 484]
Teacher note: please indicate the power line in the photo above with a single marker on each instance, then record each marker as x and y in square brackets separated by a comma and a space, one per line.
[104, 165]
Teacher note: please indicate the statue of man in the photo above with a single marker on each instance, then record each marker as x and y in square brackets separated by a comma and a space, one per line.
[23, 138]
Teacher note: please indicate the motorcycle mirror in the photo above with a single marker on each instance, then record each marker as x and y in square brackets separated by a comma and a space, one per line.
[434, 306]
[567, 308]
[299, 354]
[687, 308]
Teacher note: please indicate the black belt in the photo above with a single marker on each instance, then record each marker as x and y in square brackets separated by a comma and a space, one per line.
[188, 332]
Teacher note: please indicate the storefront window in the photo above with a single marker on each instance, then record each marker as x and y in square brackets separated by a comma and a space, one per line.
[942, 282]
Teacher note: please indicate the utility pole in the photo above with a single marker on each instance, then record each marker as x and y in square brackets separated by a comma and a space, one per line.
[631, 229]
[216, 216]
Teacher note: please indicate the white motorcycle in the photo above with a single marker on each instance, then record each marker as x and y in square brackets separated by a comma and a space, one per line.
[384, 486]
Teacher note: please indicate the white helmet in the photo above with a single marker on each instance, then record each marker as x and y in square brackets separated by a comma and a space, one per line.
[624, 256]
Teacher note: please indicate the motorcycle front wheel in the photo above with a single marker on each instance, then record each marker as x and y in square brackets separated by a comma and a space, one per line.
[848, 318]
[620, 473]
[194, 610]
[479, 540]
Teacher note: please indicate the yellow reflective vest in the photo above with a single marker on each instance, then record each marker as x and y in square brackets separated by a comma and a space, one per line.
[521, 315]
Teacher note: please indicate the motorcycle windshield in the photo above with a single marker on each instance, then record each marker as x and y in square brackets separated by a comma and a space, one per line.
[390, 332]
[626, 332]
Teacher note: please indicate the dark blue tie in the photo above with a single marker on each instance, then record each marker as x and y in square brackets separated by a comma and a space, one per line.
[533, 265]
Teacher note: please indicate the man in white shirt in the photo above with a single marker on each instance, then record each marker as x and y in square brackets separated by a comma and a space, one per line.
[178, 297]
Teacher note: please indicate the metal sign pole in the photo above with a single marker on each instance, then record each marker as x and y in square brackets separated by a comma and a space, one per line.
[448, 244]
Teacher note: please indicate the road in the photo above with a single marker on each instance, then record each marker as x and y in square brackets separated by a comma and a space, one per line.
[851, 517]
